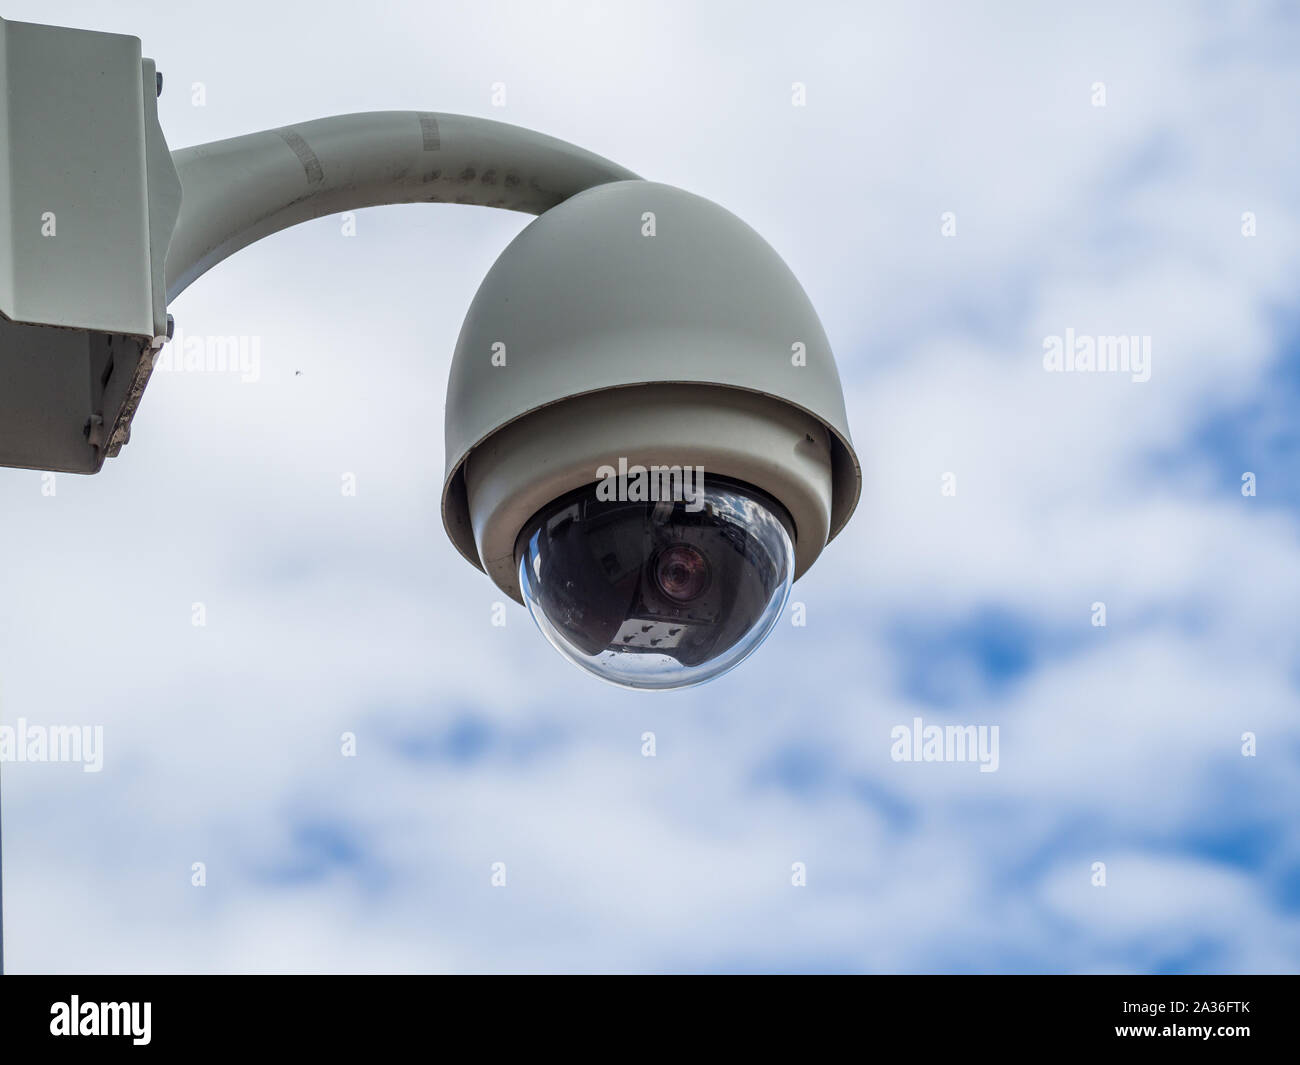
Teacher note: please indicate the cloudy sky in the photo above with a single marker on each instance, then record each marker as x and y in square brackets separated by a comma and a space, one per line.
[1169, 213]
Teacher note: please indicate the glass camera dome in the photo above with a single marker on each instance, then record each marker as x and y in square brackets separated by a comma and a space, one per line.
[657, 595]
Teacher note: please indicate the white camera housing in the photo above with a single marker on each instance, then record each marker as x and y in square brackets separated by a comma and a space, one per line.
[637, 321]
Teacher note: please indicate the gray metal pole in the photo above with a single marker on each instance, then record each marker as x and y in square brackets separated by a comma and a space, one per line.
[238, 190]
[2, 883]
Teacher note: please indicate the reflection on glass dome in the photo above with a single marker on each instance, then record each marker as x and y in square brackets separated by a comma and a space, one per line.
[658, 595]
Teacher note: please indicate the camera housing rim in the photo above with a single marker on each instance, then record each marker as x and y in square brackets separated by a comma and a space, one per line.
[746, 439]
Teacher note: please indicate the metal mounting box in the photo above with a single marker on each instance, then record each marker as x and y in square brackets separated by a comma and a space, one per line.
[88, 201]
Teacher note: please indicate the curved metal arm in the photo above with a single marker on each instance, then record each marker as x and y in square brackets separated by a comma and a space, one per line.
[238, 190]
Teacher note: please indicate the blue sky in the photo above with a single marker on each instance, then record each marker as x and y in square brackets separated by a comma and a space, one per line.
[477, 744]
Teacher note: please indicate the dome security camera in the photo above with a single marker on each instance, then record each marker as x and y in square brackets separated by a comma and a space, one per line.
[639, 327]
[646, 435]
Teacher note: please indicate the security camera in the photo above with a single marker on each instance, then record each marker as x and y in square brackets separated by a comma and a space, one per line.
[646, 439]
[646, 435]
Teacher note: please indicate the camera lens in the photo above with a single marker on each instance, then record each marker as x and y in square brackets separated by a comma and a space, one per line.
[682, 573]
[657, 594]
